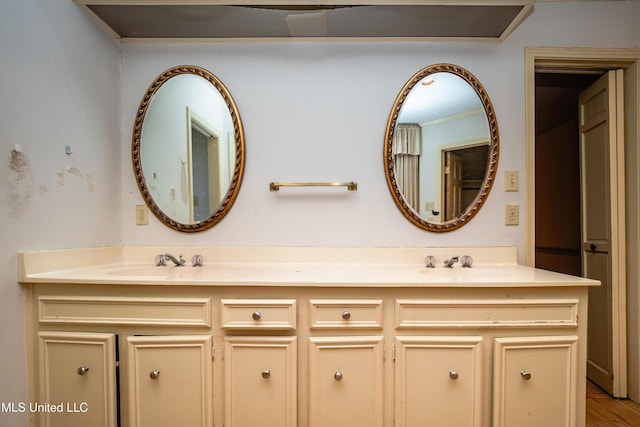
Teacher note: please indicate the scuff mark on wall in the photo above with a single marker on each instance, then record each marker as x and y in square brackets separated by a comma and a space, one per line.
[90, 183]
[75, 171]
[19, 180]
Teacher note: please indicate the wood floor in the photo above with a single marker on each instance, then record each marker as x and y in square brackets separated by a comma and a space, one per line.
[604, 411]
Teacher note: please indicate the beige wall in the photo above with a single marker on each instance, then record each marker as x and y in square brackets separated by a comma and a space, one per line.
[58, 86]
[312, 111]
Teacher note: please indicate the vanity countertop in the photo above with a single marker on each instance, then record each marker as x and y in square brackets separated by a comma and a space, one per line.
[273, 267]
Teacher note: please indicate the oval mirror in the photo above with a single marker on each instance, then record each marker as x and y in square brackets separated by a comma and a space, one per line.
[188, 149]
[441, 148]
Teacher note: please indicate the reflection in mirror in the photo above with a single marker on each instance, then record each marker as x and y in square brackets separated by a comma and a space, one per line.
[441, 147]
[188, 149]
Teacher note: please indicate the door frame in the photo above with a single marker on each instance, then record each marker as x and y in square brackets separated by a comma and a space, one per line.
[580, 59]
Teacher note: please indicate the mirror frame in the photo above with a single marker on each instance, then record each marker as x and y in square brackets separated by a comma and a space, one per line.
[238, 171]
[492, 165]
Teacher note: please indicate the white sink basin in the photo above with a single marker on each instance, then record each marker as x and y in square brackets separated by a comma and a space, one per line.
[143, 271]
[463, 273]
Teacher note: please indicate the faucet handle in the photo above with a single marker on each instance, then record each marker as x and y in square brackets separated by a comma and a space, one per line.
[197, 261]
[430, 261]
[160, 260]
[466, 261]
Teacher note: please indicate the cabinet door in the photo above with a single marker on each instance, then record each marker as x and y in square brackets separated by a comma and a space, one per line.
[438, 381]
[170, 381]
[260, 382]
[346, 382]
[77, 371]
[535, 381]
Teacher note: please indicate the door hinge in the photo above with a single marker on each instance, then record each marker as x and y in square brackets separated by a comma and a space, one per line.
[213, 352]
[393, 353]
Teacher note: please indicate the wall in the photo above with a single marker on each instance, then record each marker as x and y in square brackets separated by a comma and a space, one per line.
[58, 86]
[318, 111]
[312, 111]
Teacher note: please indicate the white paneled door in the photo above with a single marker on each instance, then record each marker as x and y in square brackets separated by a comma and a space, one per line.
[602, 194]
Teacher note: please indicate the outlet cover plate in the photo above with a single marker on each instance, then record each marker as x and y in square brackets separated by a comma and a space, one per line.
[512, 215]
[142, 215]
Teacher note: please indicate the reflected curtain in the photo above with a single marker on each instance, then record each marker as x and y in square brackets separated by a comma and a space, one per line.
[407, 148]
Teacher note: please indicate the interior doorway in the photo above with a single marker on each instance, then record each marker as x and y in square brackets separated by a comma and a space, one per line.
[569, 71]
[557, 179]
[577, 195]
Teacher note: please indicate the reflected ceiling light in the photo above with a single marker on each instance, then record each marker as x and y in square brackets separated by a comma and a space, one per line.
[428, 81]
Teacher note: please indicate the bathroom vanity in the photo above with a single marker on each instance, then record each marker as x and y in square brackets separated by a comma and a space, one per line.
[308, 337]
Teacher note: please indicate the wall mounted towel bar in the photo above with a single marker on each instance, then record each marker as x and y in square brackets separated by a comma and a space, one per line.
[275, 186]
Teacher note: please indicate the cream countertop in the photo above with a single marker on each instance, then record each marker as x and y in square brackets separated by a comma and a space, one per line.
[493, 267]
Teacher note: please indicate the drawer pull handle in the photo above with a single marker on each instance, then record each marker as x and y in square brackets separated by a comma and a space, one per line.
[154, 374]
[82, 370]
[525, 375]
[256, 315]
[453, 375]
[337, 376]
[346, 315]
[266, 373]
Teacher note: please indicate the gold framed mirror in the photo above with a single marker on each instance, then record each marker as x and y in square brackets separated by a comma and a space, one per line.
[188, 149]
[441, 148]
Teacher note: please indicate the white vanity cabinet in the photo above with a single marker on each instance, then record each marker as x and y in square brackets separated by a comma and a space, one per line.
[306, 345]
[260, 381]
[170, 380]
[115, 356]
[346, 381]
[346, 363]
[260, 371]
[535, 381]
[520, 368]
[438, 381]
[77, 376]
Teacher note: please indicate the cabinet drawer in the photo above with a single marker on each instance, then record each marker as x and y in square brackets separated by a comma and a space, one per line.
[256, 314]
[86, 310]
[486, 313]
[345, 314]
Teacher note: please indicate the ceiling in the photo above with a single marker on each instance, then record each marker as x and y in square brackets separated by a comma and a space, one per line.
[417, 19]
[448, 96]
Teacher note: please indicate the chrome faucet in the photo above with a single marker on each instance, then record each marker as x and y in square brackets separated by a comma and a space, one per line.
[178, 262]
[449, 262]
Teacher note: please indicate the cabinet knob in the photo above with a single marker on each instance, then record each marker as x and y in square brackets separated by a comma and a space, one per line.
[83, 370]
[266, 373]
[346, 315]
[525, 375]
[154, 374]
[453, 375]
[256, 315]
[337, 376]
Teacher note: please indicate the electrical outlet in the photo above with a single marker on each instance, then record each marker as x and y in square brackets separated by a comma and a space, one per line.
[428, 206]
[512, 215]
[511, 181]
[142, 215]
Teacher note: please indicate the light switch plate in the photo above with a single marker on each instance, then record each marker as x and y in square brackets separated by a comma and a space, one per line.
[511, 181]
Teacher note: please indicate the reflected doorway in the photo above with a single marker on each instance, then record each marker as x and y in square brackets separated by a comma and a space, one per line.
[204, 165]
[464, 173]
